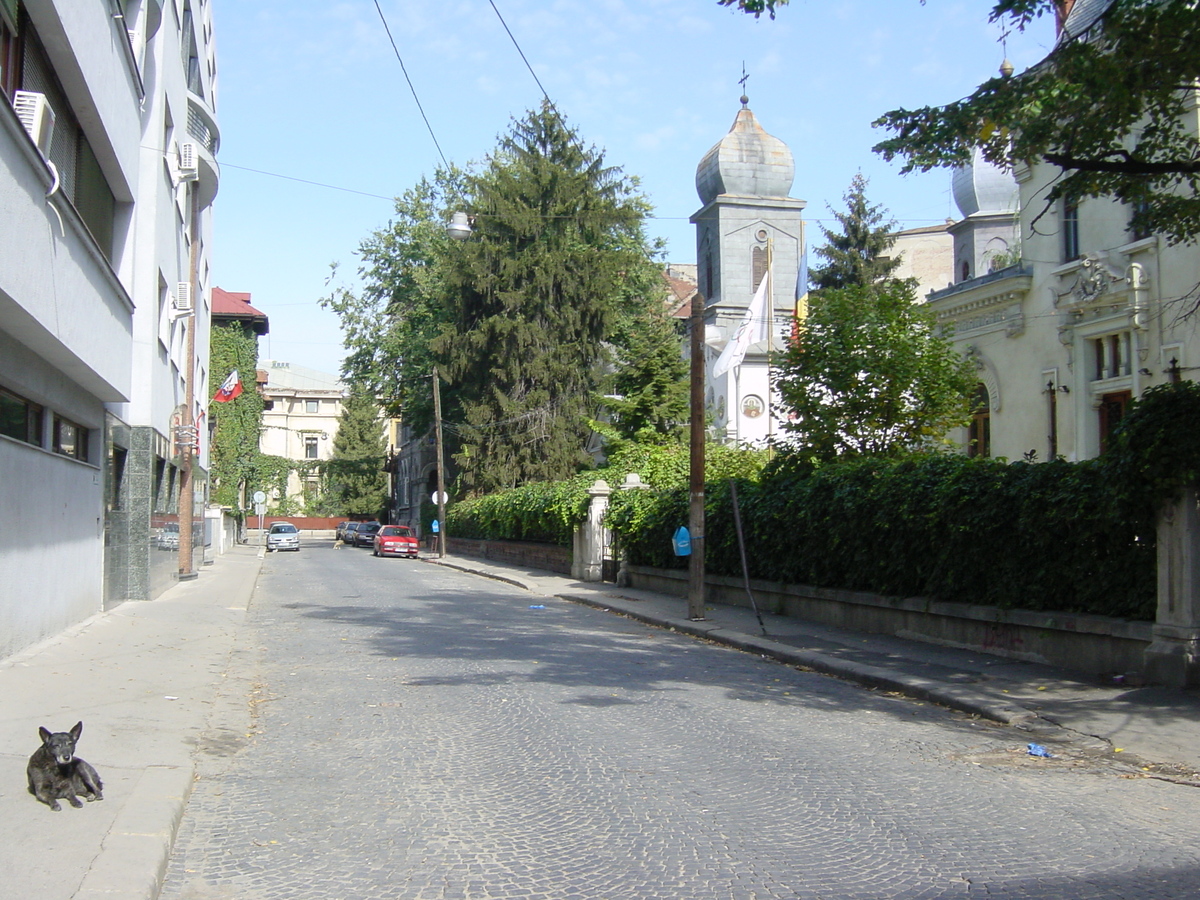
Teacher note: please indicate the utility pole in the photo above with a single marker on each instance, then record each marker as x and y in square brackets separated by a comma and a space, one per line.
[696, 467]
[441, 472]
[187, 438]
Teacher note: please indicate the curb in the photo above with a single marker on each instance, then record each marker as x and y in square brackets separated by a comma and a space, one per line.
[974, 702]
[133, 859]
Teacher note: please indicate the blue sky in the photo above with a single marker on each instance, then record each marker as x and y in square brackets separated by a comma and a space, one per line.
[312, 90]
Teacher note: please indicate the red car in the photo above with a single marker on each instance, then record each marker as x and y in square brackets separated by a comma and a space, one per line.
[396, 540]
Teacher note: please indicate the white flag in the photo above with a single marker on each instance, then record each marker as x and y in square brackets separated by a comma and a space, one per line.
[755, 327]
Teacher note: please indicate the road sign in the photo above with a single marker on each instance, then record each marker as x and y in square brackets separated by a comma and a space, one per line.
[434, 527]
[443, 495]
[260, 497]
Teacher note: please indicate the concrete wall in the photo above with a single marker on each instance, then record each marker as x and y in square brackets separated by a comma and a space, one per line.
[51, 549]
[1096, 645]
[548, 557]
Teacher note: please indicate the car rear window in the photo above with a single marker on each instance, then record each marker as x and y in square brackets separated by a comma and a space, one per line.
[284, 528]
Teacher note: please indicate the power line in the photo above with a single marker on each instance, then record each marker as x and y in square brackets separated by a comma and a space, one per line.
[520, 51]
[410, 85]
[332, 187]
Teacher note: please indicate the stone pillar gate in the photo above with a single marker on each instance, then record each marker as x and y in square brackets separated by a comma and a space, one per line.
[1174, 656]
[587, 560]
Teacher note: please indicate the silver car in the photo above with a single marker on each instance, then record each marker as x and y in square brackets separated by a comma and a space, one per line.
[283, 536]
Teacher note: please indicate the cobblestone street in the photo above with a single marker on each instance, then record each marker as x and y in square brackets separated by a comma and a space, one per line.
[394, 729]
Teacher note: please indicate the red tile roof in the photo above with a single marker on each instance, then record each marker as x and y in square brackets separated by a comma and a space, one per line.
[236, 305]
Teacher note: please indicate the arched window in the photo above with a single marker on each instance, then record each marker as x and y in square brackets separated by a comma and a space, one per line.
[758, 267]
[979, 432]
[966, 271]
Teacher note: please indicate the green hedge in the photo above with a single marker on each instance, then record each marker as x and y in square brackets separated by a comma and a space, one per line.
[1038, 536]
[550, 512]
[1075, 537]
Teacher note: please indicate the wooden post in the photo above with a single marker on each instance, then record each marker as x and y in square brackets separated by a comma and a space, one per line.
[696, 468]
[441, 472]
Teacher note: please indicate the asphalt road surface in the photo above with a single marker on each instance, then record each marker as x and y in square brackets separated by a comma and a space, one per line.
[393, 729]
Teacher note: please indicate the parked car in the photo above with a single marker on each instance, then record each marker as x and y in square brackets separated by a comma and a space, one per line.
[364, 534]
[283, 536]
[340, 532]
[347, 531]
[396, 540]
[168, 537]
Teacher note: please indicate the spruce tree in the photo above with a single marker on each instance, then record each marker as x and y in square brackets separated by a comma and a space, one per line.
[532, 298]
[855, 255]
[355, 472]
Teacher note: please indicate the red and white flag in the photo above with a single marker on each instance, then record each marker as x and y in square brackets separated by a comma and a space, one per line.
[231, 387]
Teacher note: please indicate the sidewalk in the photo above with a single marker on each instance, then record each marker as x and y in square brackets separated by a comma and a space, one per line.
[145, 679]
[1144, 726]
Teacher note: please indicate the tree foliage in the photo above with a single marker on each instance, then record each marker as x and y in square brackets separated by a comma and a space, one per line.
[754, 7]
[355, 473]
[854, 256]
[1111, 107]
[390, 323]
[646, 391]
[870, 376]
[238, 422]
[532, 297]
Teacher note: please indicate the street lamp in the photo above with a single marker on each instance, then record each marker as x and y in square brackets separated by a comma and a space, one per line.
[459, 227]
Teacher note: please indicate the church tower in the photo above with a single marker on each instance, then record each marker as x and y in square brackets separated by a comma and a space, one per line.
[746, 218]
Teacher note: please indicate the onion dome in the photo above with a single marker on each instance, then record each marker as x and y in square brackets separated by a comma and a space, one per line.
[747, 162]
[984, 187]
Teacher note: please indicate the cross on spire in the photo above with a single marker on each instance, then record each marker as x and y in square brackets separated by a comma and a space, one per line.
[742, 81]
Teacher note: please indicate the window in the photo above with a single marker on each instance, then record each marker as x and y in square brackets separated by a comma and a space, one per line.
[310, 446]
[70, 439]
[1070, 230]
[9, 57]
[758, 267]
[81, 178]
[312, 406]
[1111, 356]
[965, 272]
[979, 432]
[1138, 230]
[20, 418]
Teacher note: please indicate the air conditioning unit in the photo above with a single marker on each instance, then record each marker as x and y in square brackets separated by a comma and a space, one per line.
[37, 116]
[183, 296]
[188, 170]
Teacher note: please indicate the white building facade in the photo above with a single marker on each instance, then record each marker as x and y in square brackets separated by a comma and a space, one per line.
[300, 419]
[1077, 324]
[107, 146]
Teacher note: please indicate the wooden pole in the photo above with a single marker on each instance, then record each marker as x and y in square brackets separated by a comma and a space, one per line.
[441, 471]
[186, 436]
[696, 468]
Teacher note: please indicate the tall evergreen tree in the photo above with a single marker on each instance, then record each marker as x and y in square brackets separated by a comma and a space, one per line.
[855, 255]
[532, 297]
[355, 473]
[647, 393]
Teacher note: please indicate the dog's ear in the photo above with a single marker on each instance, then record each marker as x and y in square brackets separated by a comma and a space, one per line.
[77, 730]
[44, 734]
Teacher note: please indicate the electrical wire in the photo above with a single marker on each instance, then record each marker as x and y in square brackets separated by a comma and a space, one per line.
[520, 51]
[410, 85]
